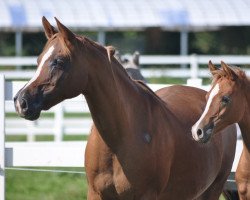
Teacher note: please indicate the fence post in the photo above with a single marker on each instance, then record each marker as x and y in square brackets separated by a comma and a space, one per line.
[31, 126]
[194, 66]
[194, 80]
[2, 137]
[58, 127]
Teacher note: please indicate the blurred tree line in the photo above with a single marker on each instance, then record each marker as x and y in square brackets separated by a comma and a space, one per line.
[227, 40]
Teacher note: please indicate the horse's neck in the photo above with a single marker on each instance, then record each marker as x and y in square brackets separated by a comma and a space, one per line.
[111, 95]
[245, 122]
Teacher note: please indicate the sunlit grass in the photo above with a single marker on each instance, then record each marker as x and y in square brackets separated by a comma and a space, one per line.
[27, 185]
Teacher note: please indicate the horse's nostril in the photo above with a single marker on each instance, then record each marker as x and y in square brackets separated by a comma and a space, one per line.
[200, 133]
[24, 104]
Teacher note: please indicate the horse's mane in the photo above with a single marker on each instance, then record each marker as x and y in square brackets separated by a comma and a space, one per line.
[230, 72]
[109, 52]
[143, 85]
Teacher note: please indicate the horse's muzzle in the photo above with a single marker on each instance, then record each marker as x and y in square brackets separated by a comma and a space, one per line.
[26, 106]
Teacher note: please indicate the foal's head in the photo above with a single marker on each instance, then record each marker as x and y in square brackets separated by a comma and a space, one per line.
[226, 102]
[57, 76]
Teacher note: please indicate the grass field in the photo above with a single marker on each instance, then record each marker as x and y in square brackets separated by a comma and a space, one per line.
[26, 185]
[29, 185]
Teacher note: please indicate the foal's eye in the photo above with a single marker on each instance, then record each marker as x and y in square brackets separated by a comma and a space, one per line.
[225, 99]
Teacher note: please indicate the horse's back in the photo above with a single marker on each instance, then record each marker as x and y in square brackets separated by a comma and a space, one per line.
[187, 104]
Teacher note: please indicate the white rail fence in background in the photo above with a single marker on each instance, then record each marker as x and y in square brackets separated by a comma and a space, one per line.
[57, 124]
[193, 61]
[43, 154]
[81, 125]
[2, 138]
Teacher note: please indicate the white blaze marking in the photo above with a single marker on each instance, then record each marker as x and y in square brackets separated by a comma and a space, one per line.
[18, 106]
[215, 91]
[39, 69]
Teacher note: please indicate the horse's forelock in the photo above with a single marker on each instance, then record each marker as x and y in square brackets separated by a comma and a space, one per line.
[233, 73]
[58, 39]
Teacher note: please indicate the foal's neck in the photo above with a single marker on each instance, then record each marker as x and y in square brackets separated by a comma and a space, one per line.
[245, 121]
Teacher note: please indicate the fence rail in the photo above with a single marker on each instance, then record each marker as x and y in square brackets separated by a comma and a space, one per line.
[193, 61]
[57, 123]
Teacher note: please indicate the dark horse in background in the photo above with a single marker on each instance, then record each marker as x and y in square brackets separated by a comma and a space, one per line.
[144, 149]
[131, 64]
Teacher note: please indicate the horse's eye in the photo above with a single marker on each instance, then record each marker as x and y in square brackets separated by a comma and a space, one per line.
[58, 62]
[54, 62]
[225, 99]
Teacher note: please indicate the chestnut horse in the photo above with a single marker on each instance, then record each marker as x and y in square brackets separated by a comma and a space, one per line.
[228, 103]
[143, 149]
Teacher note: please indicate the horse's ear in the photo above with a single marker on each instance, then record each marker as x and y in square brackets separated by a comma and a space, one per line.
[230, 72]
[68, 36]
[136, 56]
[48, 28]
[111, 52]
[212, 67]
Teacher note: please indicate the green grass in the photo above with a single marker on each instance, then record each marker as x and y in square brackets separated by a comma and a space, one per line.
[23, 138]
[51, 115]
[27, 185]
[14, 138]
[75, 137]
[171, 80]
[167, 80]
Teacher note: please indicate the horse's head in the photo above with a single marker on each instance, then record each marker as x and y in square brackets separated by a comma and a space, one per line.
[56, 77]
[128, 61]
[226, 102]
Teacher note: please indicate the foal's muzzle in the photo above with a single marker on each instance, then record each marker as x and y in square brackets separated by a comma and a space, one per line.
[203, 134]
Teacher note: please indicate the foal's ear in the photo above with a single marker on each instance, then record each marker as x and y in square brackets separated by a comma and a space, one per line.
[229, 71]
[212, 67]
[68, 36]
[48, 28]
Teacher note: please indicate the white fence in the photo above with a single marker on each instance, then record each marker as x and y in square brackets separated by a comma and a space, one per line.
[2, 138]
[81, 125]
[49, 154]
[58, 124]
[60, 153]
[193, 61]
